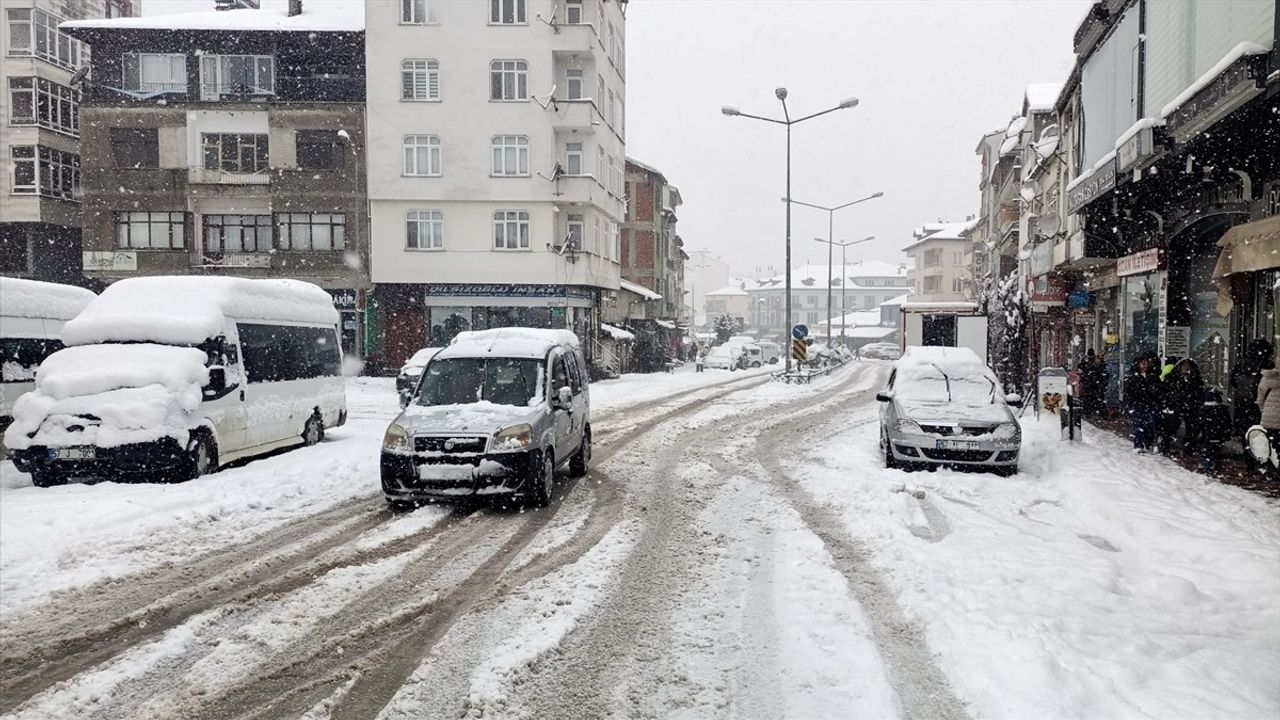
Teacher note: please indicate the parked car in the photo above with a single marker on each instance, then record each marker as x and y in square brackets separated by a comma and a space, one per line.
[728, 356]
[494, 415]
[172, 377]
[943, 408]
[770, 351]
[407, 380]
[880, 351]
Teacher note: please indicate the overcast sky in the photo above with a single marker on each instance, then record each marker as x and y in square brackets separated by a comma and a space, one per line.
[932, 77]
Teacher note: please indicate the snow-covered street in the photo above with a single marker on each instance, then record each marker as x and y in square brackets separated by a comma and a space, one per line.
[737, 550]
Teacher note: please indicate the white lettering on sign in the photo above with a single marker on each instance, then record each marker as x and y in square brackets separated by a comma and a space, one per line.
[1139, 263]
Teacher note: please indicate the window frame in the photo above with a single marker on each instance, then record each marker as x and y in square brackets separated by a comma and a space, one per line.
[53, 106]
[504, 221]
[409, 85]
[411, 145]
[58, 49]
[286, 222]
[570, 153]
[411, 9]
[131, 73]
[576, 221]
[570, 76]
[499, 70]
[261, 224]
[500, 146]
[54, 173]
[318, 139]
[569, 7]
[261, 141]
[174, 220]
[519, 12]
[433, 220]
[220, 88]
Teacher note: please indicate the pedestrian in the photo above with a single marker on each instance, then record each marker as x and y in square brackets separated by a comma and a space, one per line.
[1184, 405]
[1142, 394]
[1268, 401]
[700, 360]
[1245, 376]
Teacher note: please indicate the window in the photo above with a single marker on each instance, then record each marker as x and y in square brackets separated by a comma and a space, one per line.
[312, 231]
[511, 230]
[932, 258]
[933, 283]
[511, 155]
[115, 8]
[868, 301]
[506, 12]
[235, 153]
[595, 234]
[573, 81]
[20, 357]
[40, 170]
[135, 147]
[234, 75]
[151, 230]
[36, 101]
[35, 32]
[154, 72]
[601, 176]
[425, 230]
[417, 12]
[957, 285]
[573, 158]
[573, 12]
[576, 227]
[237, 233]
[420, 80]
[24, 169]
[616, 177]
[276, 353]
[422, 155]
[607, 180]
[508, 80]
[319, 150]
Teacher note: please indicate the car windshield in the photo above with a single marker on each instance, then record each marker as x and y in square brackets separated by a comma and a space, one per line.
[930, 385]
[462, 381]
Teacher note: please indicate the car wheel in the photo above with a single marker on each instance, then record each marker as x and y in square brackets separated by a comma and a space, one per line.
[581, 459]
[542, 479]
[889, 460]
[755, 364]
[202, 459]
[46, 478]
[313, 431]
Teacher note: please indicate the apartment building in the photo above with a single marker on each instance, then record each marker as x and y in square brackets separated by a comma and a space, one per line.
[40, 127]
[228, 142]
[653, 253]
[496, 133]
[860, 286]
[940, 273]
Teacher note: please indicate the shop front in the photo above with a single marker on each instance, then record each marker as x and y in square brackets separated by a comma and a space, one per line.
[1143, 293]
[349, 302]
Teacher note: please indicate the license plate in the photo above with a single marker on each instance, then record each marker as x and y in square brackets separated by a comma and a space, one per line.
[956, 445]
[72, 453]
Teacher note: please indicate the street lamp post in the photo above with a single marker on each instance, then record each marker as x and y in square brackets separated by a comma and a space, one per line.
[831, 214]
[781, 93]
[844, 316]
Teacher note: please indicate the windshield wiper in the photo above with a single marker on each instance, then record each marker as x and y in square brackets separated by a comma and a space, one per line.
[945, 377]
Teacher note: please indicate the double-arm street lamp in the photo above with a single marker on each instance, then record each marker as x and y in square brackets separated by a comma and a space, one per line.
[831, 214]
[787, 121]
[844, 282]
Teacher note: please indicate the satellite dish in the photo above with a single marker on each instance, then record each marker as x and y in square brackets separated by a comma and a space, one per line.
[1048, 225]
[78, 76]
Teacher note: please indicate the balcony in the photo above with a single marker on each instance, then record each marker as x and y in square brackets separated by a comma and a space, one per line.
[573, 40]
[574, 115]
[207, 176]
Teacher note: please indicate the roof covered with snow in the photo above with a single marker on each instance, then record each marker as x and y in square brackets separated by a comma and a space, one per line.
[617, 333]
[809, 277]
[317, 16]
[188, 310]
[942, 231]
[1042, 97]
[35, 299]
[733, 290]
[900, 300]
[511, 342]
[640, 290]
[859, 318]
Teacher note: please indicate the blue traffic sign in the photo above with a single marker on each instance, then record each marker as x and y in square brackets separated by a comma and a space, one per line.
[800, 332]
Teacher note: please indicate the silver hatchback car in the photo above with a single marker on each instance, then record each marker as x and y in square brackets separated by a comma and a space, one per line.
[943, 408]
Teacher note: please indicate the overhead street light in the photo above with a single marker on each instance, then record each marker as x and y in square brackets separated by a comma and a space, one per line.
[787, 121]
[831, 213]
[844, 316]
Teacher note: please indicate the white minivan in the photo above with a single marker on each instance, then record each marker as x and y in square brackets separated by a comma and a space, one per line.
[171, 377]
[31, 317]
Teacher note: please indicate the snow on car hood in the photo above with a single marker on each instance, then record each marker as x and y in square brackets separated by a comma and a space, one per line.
[110, 395]
[952, 413]
[481, 417]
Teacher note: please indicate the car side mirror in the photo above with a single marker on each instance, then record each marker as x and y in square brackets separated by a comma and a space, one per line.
[1013, 400]
[884, 396]
[217, 382]
[404, 400]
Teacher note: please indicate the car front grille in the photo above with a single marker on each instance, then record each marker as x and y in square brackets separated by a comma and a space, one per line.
[956, 455]
[447, 444]
[950, 430]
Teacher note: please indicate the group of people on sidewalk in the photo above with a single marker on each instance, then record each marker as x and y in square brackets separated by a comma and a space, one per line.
[1165, 400]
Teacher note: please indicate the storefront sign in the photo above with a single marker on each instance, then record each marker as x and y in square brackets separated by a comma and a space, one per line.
[1177, 341]
[1140, 262]
[494, 290]
[1137, 148]
[345, 299]
[111, 261]
[1048, 291]
[1234, 87]
[1042, 259]
[1101, 181]
[240, 260]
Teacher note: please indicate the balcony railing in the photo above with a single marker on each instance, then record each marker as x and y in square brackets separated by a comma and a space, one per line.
[213, 176]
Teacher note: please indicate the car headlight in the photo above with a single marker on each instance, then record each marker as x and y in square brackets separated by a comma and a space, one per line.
[513, 439]
[909, 426]
[1258, 444]
[396, 439]
[1006, 431]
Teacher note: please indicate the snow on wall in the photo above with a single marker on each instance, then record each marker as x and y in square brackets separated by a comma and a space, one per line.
[189, 310]
[35, 299]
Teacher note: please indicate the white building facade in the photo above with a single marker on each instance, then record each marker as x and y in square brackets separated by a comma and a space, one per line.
[940, 272]
[858, 287]
[496, 158]
[704, 272]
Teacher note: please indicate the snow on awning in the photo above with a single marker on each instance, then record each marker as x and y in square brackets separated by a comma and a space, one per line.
[665, 324]
[1245, 248]
[640, 290]
[616, 333]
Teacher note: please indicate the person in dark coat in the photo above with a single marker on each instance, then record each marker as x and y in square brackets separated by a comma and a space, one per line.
[1094, 378]
[1245, 376]
[1184, 399]
[1142, 395]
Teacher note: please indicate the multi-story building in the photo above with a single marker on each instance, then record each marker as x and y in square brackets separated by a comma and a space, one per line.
[496, 166]
[228, 142]
[861, 286]
[653, 254]
[729, 300]
[40, 128]
[939, 273]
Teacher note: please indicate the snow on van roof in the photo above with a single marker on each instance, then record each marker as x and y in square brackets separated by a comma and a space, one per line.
[35, 299]
[188, 310]
[514, 342]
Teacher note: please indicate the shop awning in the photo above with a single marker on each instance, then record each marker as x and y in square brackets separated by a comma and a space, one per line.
[1246, 248]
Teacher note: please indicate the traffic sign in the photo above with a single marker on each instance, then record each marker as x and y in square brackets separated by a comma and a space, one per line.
[800, 332]
[799, 350]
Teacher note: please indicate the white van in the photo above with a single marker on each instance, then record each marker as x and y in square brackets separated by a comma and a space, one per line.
[171, 377]
[31, 317]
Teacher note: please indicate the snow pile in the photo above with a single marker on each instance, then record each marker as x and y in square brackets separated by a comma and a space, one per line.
[137, 393]
[189, 310]
[317, 16]
[35, 299]
[617, 333]
[1041, 97]
[508, 342]
[1012, 135]
[419, 360]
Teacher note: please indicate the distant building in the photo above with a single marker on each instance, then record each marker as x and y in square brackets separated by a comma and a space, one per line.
[940, 273]
[704, 272]
[855, 287]
[653, 254]
[731, 300]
